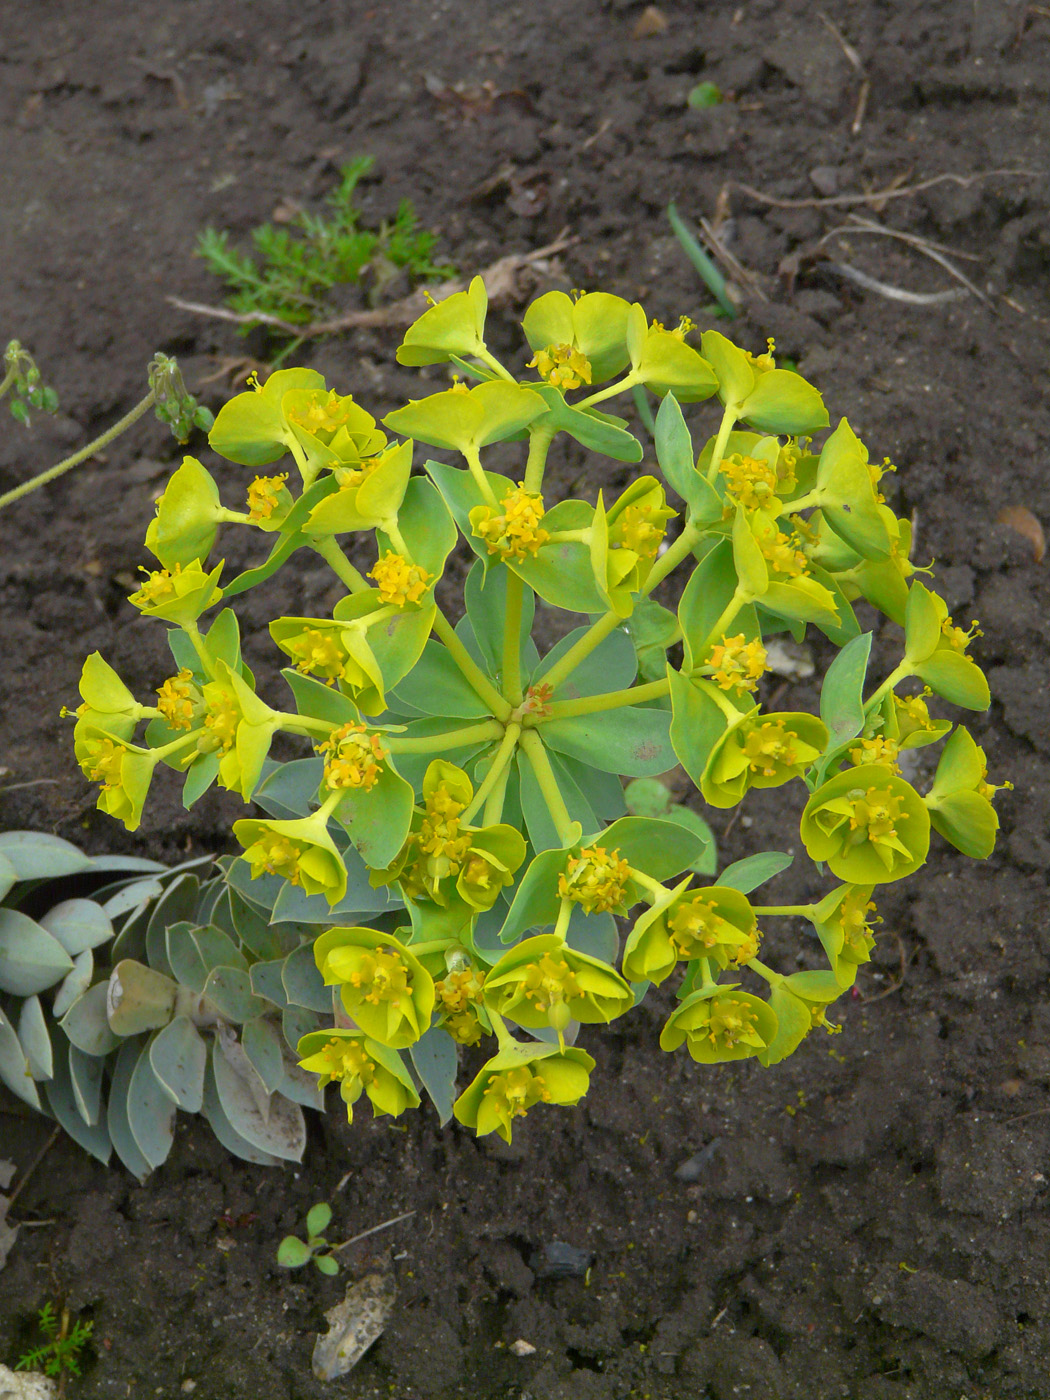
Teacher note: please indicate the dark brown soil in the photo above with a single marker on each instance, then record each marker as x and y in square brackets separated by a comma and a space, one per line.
[868, 1220]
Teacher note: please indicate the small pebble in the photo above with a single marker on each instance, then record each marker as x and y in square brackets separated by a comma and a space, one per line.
[560, 1260]
[522, 1348]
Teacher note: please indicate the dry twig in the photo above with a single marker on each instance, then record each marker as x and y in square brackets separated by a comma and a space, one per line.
[887, 290]
[501, 281]
[872, 197]
[934, 251]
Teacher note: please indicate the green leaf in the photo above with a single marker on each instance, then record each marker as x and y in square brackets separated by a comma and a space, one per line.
[922, 624]
[262, 1044]
[536, 903]
[378, 821]
[632, 742]
[117, 1123]
[968, 821]
[281, 1132]
[436, 686]
[31, 960]
[178, 1058]
[710, 589]
[736, 378]
[58, 1093]
[661, 848]
[435, 1060]
[746, 875]
[793, 1025]
[77, 924]
[85, 1022]
[14, 1071]
[674, 452]
[85, 1078]
[34, 855]
[293, 1253]
[612, 665]
[289, 790]
[956, 679]
[35, 1040]
[316, 700]
[318, 1218]
[224, 1130]
[485, 600]
[593, 430]
[230, 990]
[425, 525]
[538, 821]
[303, 984]
[593, 934]
[326, 1264]
[706, 862]
[842, 692]
[697, 723]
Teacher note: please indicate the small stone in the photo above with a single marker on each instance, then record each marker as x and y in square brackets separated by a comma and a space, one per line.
[825, 179]
[560, 1260]
[522, 1348]
[25, 1385]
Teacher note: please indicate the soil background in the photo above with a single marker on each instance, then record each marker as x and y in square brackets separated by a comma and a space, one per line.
[868, 1220]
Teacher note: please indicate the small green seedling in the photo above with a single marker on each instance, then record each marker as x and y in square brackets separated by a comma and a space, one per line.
[61, 1353]
[22, 381]
[294, 1253]
[296, 266]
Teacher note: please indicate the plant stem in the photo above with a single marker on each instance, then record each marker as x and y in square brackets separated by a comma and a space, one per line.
[628, 382]
[472, 672]
[902, 672]
[487, 358]
[89, 451]
[805, 910]
[326, 547]
[539, 445]
[453, 739]
[561, 928]
[497, 768]
[6, 382]
[512, 640]
[612, 700]
[739, 600]
[548, 785]
[727, 425]
[765, 972]
[389, 527]
[477, 471]
[655, 888]
[597, 634]
[203, 656]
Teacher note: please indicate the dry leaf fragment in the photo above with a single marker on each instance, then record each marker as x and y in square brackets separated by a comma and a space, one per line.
[1021, 519]
[651, 21]
[354, 1324]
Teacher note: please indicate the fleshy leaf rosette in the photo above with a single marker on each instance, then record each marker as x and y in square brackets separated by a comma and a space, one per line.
[359, 1065]
[518, 1077]
[868, 825]
[384, 987]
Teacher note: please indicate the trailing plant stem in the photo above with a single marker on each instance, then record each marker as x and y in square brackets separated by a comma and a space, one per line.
[141, 408]
[539, 445]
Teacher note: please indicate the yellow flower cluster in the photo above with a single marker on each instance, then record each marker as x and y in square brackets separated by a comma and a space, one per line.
[697, 930]
[783, 554]
[458, 997]
[178, 700]
[439, 833]
[398, 581]
[739, 664]
[318, 653]
[273, 854]
[751, 482]
[877, 749]
[324, 413]
[354, 759]
[263, 494]
[637, 531]
[596, 879]
[562, 366]
[732, 1020]
[516, 534]
[770, 746]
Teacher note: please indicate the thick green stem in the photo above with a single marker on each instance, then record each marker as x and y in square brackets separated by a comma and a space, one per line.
[493, 812]
[548, 785]
[477, 471]
[597, 633]
[512, 640]
[503, 1036]
[497, 768]
[612, 700]
[203, 655]
[487, 358]
[304, 725]
[328, 549]
[773, 978]
[765, 910]
[454, 739]
[7, 381]
[561, 928]
[539, 445]
[739, 600]
[672, 557]
[472, 672]
[902, 672]
[85, 452]
[389, 528]
[654, 887]
[628, 382]
[727, 425]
